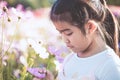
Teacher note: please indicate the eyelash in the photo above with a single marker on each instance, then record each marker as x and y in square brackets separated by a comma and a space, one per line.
[69, 34]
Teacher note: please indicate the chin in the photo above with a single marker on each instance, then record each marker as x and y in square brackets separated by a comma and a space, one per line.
[76, 51]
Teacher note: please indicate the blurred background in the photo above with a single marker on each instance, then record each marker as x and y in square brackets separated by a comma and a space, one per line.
[38, 4]
[34, 4]
[29, 39]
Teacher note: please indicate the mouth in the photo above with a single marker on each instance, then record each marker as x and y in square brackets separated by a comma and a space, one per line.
[70, 46]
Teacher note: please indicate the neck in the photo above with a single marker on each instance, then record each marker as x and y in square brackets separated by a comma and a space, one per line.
[95, 47]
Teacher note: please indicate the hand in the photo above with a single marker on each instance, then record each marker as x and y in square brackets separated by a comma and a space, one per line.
[49, 75]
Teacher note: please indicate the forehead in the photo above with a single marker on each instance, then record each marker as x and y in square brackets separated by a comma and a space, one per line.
[63, 25]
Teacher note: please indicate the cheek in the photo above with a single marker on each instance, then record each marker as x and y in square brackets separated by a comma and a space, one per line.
[75, 40]
[79, 41]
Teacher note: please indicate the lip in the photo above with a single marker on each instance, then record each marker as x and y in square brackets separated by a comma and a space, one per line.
[70, 46]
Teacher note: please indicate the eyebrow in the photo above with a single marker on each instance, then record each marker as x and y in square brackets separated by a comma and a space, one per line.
[63, 30]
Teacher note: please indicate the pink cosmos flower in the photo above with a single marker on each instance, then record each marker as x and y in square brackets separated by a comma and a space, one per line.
[58, 52]
[20, 7]
[3, 3]
[3, 8]
[35, 72]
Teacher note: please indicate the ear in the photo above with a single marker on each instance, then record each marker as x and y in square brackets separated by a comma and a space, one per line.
[90, 27]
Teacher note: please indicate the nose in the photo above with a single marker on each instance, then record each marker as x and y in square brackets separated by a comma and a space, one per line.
[66, 40]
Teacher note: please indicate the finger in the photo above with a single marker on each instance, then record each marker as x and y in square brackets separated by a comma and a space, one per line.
[49, 75]
[42, 70]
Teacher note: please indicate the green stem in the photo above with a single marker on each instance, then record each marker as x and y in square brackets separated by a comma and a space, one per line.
[1, 69]
[48, 63]
[2, 39]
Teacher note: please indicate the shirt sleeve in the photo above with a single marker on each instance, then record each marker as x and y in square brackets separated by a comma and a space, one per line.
[61, 75]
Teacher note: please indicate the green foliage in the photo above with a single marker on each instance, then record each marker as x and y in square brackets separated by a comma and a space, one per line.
[33, 60]
[33, 4]
[13, 3]
[113, 2]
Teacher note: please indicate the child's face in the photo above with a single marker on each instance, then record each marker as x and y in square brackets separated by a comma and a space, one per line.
[73, 37]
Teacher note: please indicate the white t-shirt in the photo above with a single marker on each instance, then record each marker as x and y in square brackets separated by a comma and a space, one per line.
[102, 66]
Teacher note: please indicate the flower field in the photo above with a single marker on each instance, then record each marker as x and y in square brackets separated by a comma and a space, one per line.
[28, 39]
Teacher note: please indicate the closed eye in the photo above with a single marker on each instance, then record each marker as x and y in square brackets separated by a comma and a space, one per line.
[68, 34]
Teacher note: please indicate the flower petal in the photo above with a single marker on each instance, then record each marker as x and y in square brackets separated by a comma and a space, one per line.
[35, 72]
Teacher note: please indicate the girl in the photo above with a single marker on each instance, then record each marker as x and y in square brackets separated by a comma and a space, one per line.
[90, 30]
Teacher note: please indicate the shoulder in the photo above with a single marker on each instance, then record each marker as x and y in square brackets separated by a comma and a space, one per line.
[112, 57]
[110, 69]
[112, 60]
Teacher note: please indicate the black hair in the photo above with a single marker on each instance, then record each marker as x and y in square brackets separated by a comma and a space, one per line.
[78, 12]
